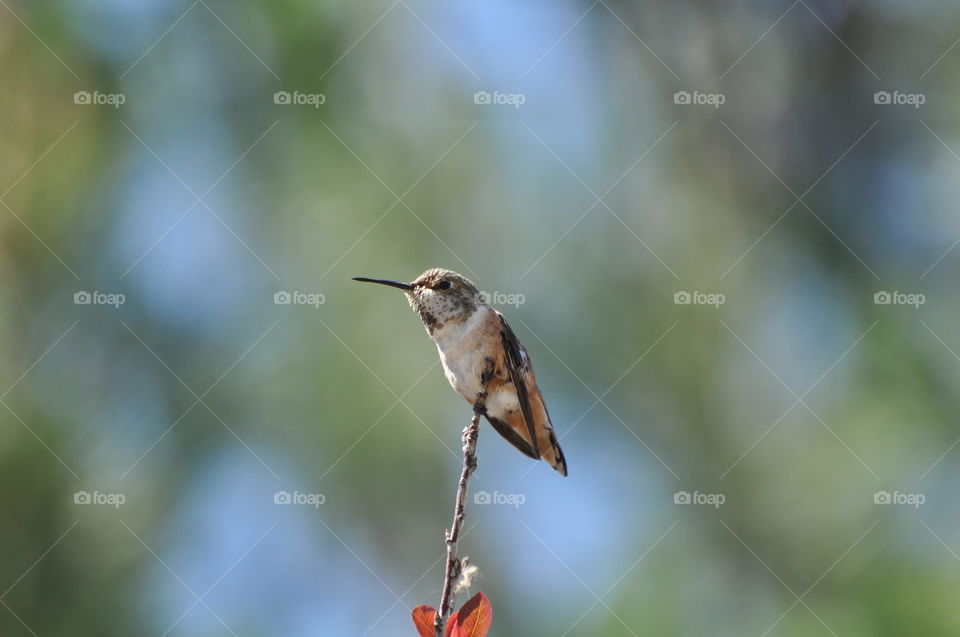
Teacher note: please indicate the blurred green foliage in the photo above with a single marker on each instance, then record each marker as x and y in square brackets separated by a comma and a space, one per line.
[600, 198]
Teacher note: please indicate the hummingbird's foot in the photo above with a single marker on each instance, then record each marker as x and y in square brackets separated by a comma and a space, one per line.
[480, 408]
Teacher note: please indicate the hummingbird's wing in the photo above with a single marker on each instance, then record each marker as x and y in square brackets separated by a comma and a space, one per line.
[518, 366]
[516, 377]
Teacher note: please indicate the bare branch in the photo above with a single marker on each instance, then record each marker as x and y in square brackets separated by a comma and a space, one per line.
[454, 565]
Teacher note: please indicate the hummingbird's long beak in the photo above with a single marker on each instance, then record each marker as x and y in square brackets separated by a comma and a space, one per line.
[396, 284]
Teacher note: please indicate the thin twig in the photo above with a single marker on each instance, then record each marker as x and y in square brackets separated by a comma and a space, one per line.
[453, 569]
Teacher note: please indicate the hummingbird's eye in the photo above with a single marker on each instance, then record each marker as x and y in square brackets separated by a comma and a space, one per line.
[443, 285]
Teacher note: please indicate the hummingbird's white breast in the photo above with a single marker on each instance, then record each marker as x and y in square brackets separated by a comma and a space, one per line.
[464, 348]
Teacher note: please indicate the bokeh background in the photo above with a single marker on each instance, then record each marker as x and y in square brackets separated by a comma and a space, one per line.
[588, 190]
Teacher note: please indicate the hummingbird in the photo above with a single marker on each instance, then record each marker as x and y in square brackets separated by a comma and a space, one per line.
[483, 360]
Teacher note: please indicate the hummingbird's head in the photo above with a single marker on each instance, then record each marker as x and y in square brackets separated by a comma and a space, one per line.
[439, 296]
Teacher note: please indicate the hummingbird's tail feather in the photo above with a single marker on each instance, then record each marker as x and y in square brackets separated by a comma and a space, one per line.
[553, 454]
[547, 440]
[510, 435]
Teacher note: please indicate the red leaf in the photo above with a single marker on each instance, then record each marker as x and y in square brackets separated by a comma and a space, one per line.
[473, 619]
[423, 617]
